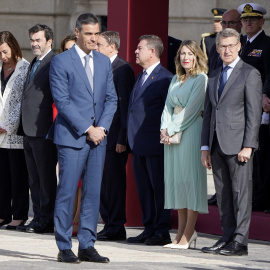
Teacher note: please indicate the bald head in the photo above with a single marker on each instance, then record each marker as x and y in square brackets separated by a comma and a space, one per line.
[231, 19]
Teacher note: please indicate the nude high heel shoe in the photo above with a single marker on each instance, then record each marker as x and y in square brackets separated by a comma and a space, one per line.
[187, 245]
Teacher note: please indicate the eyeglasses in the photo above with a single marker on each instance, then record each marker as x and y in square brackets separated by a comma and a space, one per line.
[229, 23]
[230, 47]
[251, 20]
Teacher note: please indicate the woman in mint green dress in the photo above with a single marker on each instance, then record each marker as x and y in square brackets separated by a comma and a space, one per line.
[184, 175]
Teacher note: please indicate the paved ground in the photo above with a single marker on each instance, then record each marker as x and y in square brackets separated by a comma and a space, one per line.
[32, 251]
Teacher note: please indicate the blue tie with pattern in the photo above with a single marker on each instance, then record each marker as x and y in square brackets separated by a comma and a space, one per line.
[139, 84]
[34, 68]
[222, 80]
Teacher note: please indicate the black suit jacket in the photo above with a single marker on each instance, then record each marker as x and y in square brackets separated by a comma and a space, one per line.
[257, 54]
[36, 108]
[123, 78]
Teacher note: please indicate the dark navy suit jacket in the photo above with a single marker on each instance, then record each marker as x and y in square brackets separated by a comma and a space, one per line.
[145, 111]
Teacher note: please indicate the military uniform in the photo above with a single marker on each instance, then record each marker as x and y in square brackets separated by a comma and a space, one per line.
[209, 39]
[257, 54]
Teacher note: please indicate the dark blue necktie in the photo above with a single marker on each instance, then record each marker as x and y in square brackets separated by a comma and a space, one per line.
[34, 68]
[139, 84]
[222, 80]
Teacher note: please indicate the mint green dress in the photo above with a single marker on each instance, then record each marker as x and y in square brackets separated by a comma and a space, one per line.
[184, 175]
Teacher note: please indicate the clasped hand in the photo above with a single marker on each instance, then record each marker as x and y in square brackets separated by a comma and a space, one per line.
[244, 154]
[95, 134]
[266, 104]
[164, 137]
[2, 130]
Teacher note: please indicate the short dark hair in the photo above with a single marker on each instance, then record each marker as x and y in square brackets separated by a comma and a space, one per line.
[42, 27]
[112, 37]
[153, 42]
[86, 18]
[7, 37]
[65, 40]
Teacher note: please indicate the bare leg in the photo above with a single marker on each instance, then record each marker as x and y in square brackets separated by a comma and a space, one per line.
[15, 222]
[190, 226]
[182, 221]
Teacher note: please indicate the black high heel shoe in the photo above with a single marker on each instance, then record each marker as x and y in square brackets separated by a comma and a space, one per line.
[4, 222]
[12, 227]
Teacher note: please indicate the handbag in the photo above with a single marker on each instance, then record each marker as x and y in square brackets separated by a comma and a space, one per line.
[175, 139]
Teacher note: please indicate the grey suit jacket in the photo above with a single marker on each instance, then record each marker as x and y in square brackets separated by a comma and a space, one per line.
[236, 115]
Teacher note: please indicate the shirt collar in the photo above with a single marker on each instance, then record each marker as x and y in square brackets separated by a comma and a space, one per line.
[42, 57]
[113, 57]
[250, 40]
[150, 69]
[81, 53]
[233, 64]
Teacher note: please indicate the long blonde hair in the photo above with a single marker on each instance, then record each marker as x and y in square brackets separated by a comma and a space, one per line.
[200, 62]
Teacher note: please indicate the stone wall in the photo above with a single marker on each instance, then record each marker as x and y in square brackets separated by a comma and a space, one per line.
[188, 19]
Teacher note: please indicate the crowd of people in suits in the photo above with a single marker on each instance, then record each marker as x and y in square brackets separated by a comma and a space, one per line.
[84, 109]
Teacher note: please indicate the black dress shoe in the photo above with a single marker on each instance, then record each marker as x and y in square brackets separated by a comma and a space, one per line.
[101, 232]
[141, 238]
[44, 225]
[91, 255]
[158, 240]
[67, 256]
[107, 236]
[12, 227]
[4, 222]
[213, 200]
[234, 249]
[27, 227]
[216, 247]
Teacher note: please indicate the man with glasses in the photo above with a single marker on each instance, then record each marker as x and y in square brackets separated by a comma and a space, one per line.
[256, 52]
[230, 19]
[230, 130]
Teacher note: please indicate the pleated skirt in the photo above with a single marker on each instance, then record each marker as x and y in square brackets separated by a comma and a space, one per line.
[184, 175]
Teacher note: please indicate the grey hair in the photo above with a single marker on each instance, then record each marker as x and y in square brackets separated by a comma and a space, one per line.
[153, 42]
[112, 37]
[228, 32]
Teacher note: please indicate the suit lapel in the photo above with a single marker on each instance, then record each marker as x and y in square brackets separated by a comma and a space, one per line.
[40, 70]
[97, 73]
[215, 94]
[232, 78]
[152, 77]
[77, 62]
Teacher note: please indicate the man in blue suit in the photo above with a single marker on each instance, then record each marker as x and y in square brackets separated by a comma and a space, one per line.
[143, 130]
[84, 94]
